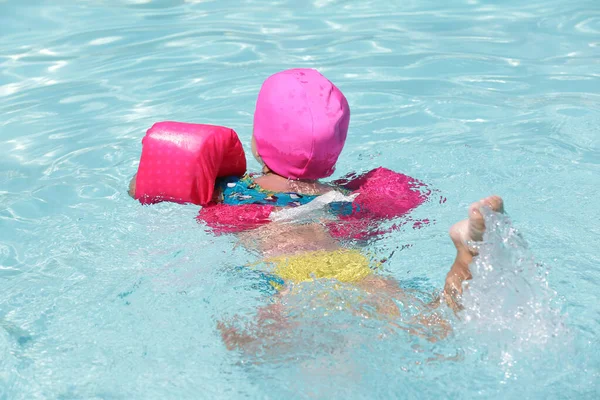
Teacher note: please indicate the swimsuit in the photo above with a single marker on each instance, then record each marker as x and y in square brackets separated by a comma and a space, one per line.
[343, 265]
[237, 191]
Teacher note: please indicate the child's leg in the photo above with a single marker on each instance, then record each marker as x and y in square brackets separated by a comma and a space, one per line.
[271, 321]
[461, 233]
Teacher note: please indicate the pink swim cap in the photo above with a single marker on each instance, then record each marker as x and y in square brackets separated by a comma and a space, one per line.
[300, 124]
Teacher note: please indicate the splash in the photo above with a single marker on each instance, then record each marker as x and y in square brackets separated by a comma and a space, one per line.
[509, 308]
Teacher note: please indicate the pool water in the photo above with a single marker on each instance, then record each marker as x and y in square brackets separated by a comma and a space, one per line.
[103, 298]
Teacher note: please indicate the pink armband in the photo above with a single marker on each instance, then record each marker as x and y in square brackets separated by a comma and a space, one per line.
[180, 162]
[382, 195]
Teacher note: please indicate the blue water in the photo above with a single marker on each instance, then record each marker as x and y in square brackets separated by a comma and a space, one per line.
[103, 298]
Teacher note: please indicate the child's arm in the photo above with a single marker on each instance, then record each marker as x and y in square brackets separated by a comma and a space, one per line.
[131, 190]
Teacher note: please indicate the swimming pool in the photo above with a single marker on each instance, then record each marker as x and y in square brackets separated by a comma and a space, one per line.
[103, 298]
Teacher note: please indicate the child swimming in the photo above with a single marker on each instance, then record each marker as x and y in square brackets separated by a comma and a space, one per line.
[300, 127]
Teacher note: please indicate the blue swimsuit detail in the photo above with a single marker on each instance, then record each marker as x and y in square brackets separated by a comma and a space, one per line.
[237, 191]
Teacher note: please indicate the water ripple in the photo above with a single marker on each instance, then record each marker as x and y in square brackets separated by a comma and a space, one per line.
[472, 97]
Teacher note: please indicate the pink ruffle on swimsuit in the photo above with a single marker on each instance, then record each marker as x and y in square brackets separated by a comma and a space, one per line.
[382, 195]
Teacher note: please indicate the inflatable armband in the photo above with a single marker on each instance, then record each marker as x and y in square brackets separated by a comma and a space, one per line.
[382, 195]
[180, 162]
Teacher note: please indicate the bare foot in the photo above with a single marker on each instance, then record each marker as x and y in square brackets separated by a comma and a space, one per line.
[472, 229]
[461, 233]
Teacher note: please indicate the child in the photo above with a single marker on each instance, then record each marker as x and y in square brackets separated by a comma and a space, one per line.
[300, 127]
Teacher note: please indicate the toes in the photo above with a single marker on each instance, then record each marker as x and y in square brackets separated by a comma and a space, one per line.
[476, 222]
[474, 209]
[475, 216]
[495, 203]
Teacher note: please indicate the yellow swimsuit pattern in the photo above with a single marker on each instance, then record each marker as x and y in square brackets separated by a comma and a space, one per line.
[344, 265]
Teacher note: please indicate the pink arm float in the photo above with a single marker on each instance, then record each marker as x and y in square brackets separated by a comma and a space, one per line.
[180, 162]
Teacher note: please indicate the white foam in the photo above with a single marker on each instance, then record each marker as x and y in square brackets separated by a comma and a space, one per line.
[509, 301]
